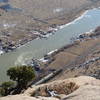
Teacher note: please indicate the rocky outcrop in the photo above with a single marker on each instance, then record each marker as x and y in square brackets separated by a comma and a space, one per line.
[80, 88]
[88, 92]
[66, 86]
[25, 97]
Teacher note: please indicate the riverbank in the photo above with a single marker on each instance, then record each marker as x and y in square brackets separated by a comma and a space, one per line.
[76, 58]
[81, 38]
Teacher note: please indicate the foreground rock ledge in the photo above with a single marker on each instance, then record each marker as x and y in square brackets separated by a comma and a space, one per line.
[88, 89]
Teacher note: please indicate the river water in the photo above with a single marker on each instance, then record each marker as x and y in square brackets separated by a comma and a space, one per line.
[3, 0]
[37, 48]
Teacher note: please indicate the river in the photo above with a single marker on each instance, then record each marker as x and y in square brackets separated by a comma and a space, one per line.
[37, 48]
[3, 0]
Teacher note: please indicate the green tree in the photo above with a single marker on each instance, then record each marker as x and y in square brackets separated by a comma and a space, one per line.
[22, 75]
[5, 88]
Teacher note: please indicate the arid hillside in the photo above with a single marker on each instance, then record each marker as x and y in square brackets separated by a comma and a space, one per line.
[49, 8]
[54, 11]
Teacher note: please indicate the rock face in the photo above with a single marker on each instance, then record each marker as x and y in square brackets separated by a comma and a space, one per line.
[88, 92]
[80, 88]
[25, 97]
[65, 86]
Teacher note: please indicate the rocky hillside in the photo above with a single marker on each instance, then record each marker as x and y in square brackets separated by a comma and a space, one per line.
[80, 88]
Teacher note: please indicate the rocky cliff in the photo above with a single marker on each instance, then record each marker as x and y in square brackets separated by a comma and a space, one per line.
[80, 88]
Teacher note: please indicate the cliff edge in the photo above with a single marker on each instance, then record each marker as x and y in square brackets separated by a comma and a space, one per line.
[79, 88]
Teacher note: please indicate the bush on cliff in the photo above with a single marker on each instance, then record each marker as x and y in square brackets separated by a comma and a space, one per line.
[6, 88]
[22, 75]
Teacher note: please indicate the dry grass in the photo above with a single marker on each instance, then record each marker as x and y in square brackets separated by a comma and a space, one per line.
[63, 88]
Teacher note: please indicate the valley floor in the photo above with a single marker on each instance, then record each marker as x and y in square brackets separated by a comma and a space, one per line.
[21, 26]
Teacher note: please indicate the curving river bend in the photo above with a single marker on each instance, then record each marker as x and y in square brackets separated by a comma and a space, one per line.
[37, 48]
